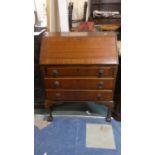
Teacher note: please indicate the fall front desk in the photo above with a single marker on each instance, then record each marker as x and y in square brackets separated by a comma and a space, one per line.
[79, 67]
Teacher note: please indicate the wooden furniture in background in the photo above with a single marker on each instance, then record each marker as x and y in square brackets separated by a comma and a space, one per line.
[79, 67]
[106, 5]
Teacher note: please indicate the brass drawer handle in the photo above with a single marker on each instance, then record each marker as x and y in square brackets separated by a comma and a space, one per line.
[56, 84]
[98, 96]
[101, 72]
[100, 85]
[57, 95]
[55, 73]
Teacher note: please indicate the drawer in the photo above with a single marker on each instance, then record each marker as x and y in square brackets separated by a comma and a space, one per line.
[80, 71]
[79, 83]
[73, 95]
[108, 21]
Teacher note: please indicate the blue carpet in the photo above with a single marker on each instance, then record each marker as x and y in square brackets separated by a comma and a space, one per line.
[67, 136]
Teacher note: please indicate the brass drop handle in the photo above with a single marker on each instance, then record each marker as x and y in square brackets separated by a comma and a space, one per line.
[55, 73]
[101, 72]
[98, 96]
[57, 95]
[56, 84]
[100, 85]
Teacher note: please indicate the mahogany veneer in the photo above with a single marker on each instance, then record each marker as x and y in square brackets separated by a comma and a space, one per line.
[79, 67]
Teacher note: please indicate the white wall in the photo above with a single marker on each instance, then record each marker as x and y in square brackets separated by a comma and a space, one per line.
[78, 8]
[63, 15]
[58, 16]
[40, 7]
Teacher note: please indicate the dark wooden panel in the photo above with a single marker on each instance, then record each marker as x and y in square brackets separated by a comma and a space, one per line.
[78, 83]
[105, 1]
[117, 94]
[75, 95]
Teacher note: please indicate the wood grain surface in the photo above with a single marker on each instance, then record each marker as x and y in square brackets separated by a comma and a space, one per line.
[78, 48]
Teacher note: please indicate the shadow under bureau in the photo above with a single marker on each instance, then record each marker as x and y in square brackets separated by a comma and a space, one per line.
[79, 67]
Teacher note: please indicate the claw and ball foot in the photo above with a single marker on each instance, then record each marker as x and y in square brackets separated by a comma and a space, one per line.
[108, 118]
[50, 117]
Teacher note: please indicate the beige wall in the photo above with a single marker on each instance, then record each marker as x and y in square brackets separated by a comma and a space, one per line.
[53, 24]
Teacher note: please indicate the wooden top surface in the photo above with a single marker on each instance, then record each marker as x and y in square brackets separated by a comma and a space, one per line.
[80, 48]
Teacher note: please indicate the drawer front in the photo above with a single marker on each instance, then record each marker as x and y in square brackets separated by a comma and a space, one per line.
[78, 95]
[107, 21]
[80, 71]
[78, 83]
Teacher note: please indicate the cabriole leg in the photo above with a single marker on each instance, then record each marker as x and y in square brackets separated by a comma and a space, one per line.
[49, 106]
[108, 118]
[50, 117]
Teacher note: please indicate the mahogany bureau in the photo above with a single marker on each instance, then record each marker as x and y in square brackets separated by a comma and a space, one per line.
[79, 67]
